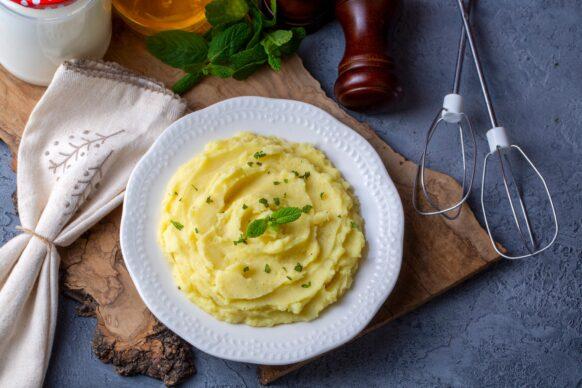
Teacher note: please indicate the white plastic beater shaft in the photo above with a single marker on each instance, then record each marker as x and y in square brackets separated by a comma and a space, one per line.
[452, 108]
[497, 137]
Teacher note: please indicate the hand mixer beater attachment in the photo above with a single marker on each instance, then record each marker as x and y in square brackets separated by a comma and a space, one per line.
[451, 113]
[500, 149]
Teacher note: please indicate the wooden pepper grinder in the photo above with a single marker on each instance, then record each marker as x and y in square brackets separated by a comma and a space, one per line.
[366, 80]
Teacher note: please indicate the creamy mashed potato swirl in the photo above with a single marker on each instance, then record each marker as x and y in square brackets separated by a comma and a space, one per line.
[291, 272]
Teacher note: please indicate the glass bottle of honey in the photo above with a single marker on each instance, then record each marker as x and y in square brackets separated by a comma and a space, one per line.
[151, 16]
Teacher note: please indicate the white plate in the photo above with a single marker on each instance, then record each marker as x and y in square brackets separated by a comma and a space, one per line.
[291, 120]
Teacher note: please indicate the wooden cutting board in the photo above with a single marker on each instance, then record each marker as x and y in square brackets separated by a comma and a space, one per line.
[437, 254]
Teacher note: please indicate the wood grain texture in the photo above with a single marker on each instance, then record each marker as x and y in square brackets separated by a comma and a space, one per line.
[437, 254]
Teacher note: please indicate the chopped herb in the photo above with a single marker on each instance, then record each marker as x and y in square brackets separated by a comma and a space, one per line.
[354, 225]
[209, 200]
[277, 201]
[246, 269]
[321, 195]
[259, 154]
[259, 164]
[305, 175]
[175, 193]
[178, 225]
[306, 285]
[268, 171]
[179, 288]
[295, 173]
[339, 216]
[196, 230]
[298, 267]
[264, 202]
[267, 268]
[285, 195]
[244, 206]
[195, 188]
[306, 208]
[286, 180]
[241, 240]
[180, 200]
[250, 164]
[276, 183]
[289, 277]
[285, 269]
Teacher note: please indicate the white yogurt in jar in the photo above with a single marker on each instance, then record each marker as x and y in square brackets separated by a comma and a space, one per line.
[35, 41]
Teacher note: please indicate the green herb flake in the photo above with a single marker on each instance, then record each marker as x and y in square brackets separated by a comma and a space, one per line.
[306, 208]
[298, 267]
[276, 183]
[307, 285]
[246, 269]
[286, 180]
[209, 200]
[295, 173]
[180, 200]
[196, 230]
[289, 277]
[259, 154]
[354, 225]
[264, 202]
[195, 188]
[244, 206]
[178, 225]
[250, 164]
[259, 164]
[277, 201]
[175, 193]
[267, 268]
[321, 195]
[241, 240]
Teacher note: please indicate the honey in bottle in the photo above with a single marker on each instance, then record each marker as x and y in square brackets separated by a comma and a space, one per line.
[151, 16]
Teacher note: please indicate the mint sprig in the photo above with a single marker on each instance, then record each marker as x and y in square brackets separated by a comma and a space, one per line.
[282, 216]
[241, 41]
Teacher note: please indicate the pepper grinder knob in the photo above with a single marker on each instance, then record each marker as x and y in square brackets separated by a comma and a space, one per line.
[366, 80]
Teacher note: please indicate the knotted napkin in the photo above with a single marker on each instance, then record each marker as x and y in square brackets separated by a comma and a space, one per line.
[82, 140]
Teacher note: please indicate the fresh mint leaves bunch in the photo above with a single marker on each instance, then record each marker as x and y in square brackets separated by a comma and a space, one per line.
[241, 40]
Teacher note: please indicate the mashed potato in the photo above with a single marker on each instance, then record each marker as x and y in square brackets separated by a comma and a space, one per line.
[289, 273]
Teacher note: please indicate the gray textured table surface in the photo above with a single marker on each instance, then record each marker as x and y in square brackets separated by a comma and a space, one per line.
[519, 323]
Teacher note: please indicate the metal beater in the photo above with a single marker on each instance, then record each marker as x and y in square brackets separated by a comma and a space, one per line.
[500, 146]
[450, 113]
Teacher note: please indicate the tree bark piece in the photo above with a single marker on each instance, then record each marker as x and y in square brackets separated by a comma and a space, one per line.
[437, 254]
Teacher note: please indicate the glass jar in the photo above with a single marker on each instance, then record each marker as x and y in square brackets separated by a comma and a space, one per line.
[34, 41]
[151, 16]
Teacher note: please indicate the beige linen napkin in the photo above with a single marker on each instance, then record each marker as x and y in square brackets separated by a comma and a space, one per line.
[82, 140]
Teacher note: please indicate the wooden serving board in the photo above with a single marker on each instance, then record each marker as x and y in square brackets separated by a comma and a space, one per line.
[437, 254]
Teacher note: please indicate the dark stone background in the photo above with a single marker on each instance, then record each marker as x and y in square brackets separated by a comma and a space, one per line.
[518, 323]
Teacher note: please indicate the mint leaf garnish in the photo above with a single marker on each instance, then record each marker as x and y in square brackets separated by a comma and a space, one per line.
[285, 215]
[257, 227]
